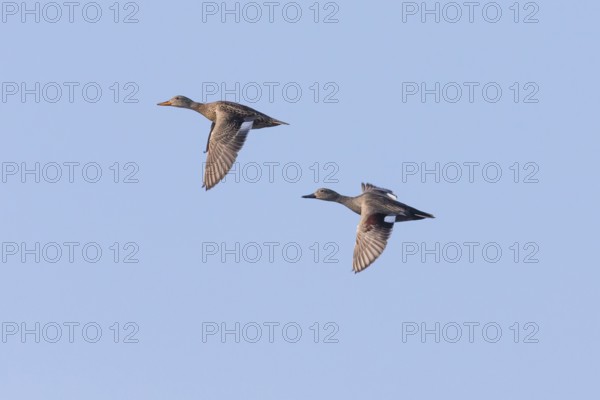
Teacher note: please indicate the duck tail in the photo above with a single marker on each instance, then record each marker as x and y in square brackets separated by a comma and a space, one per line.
[413, 214]
[276, 122]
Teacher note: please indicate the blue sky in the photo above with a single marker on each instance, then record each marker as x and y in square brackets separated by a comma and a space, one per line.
[138, 265]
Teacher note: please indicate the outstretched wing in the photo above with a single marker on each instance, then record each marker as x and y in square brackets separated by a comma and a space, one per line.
[226, 140]
[372, 235]
[367, 187]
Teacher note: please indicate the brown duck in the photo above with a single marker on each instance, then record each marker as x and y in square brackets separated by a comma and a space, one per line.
[231, 123]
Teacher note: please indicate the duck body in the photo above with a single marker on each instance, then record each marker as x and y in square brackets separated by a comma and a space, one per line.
[238, 111]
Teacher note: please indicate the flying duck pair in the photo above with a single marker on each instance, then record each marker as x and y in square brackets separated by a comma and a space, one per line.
[378, 208]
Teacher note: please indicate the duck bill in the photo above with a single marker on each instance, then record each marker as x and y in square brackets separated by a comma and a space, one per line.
[165, 103]
[309, 196]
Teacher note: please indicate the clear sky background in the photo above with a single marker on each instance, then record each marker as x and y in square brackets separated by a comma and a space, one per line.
[365, 132]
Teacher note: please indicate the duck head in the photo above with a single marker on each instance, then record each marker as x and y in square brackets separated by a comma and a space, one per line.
[178, 101]
[323, 194]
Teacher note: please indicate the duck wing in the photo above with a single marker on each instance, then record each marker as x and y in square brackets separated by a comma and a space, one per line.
[237, 110]
[367, 187]
[226, 140]
[372, 235]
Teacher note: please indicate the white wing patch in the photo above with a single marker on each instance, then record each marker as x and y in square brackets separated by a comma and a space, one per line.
[246, 126]
[390, 219]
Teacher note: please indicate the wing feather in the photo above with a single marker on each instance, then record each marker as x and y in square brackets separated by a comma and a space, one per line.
[372, 235]
[367, 187]
[227, 137]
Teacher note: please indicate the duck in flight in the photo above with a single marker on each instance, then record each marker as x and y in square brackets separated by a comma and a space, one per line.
[231, 123]
[378, 209]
